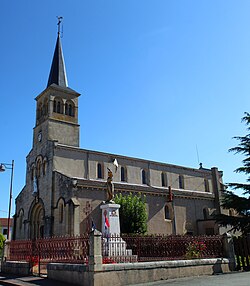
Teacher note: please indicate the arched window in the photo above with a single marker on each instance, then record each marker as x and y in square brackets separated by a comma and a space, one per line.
[32, 173]
[61, 213]
[39, 111]
[206, 185]
[20, 219]
[38, 168]
[54, 106]
[181, 182]
[166, 212]
[123, 174]
[164, 181]
[45, 107]
[143, 177]
[58, 105]
[99, 171]
[205, 213]
[69, 108]
[44, 166]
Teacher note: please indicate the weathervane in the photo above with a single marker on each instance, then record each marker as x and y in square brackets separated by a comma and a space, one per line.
[59, 18]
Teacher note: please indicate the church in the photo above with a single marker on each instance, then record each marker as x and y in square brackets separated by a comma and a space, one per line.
[66, 185]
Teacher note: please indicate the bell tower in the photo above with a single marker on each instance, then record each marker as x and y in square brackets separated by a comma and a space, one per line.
[57, 105]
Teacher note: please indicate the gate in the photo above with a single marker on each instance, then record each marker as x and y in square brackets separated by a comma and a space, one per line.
[40, 252]
[242, 252]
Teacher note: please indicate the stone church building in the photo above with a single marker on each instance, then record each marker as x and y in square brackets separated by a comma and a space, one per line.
[65, 185]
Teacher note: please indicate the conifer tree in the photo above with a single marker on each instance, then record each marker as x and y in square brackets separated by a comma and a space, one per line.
[241, 204]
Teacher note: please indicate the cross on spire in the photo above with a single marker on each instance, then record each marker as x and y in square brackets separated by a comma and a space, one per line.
[59, 18]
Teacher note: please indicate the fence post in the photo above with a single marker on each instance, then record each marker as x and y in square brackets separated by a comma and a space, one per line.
[95, 251]
[228, 250]
[6, 250]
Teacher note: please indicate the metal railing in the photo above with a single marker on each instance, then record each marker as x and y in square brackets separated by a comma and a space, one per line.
[132, 248]
[153, 248]
[115, 249]
[70, 249]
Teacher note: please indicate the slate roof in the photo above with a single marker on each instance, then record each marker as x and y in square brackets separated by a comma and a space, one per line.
[58, 72]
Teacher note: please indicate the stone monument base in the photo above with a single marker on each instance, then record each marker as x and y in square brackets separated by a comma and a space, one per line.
[114, 247]
[110, 219]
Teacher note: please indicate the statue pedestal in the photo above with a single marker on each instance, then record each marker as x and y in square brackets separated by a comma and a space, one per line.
[110, 214]
[114, 247]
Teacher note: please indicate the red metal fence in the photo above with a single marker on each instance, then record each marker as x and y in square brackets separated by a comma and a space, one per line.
[152, 248]
[39, 252]
[56, 249]
[20, 250]
[127, 248]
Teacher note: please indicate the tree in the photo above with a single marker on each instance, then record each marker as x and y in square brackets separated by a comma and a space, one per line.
[2, 239]
[230, 200]
[133, 213]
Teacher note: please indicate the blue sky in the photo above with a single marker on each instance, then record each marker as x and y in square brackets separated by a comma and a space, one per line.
[159, 79]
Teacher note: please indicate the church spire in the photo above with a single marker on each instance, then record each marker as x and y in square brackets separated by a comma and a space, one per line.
[58, 72]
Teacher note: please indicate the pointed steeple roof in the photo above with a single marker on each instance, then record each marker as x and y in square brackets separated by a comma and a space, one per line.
[58, 72]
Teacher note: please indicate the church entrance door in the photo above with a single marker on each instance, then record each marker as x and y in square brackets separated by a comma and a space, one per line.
[37, 221]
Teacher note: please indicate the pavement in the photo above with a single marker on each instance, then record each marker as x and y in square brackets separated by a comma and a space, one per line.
[13, 280]
[230, 279]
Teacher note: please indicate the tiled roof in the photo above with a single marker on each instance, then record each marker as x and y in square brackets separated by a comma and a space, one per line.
[4, 222]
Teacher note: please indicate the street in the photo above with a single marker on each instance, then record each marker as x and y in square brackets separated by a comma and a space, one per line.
[230, 279]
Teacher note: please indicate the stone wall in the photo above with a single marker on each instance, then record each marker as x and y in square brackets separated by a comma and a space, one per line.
[81, 163]
[16, 267]
[66, 165]
[135, 273]
[75, 274]
[97, 273]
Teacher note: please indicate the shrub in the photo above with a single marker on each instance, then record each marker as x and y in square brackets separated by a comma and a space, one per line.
[195, 249]
[133, 213]
[2, 239]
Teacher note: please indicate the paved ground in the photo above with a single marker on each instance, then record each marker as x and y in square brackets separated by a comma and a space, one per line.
[28, 281]
[231, 279]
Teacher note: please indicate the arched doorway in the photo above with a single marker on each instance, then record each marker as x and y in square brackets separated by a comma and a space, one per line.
[37, 221]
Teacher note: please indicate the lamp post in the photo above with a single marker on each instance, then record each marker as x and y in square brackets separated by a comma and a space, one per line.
[3, 167]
